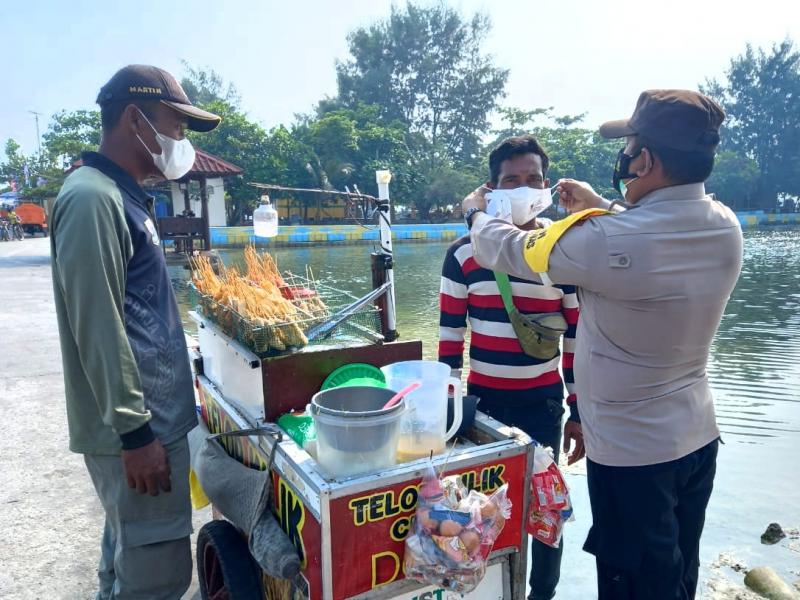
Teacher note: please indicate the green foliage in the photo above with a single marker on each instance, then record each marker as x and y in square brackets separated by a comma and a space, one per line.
[424, 67]
[761, 96]
[44, 177]
[70, 133]
[349, 144]
[734, 180]
[414, 97]
[446, 187]
[581, 154]
[204, 86]
[12, 166]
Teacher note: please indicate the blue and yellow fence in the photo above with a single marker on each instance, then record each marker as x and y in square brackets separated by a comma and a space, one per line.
[238, 237]
[757, 218]
[235, 237]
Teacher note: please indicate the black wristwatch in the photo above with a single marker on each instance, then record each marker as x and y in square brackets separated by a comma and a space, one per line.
[471, 213]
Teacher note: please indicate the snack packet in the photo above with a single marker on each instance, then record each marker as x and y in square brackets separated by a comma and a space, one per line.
[550, 505]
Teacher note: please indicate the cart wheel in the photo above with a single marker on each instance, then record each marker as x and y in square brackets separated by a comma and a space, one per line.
[225, 569]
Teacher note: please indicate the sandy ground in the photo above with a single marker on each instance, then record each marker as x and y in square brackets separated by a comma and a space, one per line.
[50, 518]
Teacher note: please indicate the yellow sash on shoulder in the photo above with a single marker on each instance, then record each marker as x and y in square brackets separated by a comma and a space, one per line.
[540, 242]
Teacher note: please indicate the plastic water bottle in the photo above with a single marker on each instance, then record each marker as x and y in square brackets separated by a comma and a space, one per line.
[265, 219]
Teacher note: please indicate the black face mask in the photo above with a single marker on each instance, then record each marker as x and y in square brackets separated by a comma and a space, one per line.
[621, 171]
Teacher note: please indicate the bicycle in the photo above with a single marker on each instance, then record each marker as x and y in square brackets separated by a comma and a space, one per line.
[17, 232]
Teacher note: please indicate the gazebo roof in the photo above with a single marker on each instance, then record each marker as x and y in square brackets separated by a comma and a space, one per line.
[205, 165]
[211, 166]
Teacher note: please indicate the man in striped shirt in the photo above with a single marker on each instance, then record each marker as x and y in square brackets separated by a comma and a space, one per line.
[514, 387]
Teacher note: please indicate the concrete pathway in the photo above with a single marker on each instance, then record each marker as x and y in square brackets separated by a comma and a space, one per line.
[50, 518]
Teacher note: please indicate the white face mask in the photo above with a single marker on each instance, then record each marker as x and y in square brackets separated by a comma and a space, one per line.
[177, 156]
[518, 206]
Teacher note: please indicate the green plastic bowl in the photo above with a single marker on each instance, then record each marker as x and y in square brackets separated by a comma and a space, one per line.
[360, 374]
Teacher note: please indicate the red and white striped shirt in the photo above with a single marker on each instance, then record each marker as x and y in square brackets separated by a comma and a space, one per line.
[496, 359]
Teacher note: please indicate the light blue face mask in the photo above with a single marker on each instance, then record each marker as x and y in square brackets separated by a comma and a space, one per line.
[623, 187]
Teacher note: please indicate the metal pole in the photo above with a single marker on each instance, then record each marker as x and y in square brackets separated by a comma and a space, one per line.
[204, 209]
[38, 137]
[385, 219]
[378, 262]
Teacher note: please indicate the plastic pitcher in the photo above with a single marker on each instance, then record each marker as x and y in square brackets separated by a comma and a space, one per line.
[423, 428]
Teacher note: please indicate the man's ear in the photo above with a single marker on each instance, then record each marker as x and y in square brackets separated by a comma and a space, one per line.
[649, 163]
[547, 183]
[132, 117]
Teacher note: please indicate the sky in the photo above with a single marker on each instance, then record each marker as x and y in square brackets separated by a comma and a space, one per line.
[578, 56]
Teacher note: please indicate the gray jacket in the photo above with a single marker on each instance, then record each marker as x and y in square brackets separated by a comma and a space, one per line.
[126, 369]
[654, 282]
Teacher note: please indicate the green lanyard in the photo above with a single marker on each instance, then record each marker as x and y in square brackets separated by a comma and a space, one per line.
[504, 286]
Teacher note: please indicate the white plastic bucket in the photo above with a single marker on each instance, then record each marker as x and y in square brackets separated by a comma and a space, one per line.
[355, 434]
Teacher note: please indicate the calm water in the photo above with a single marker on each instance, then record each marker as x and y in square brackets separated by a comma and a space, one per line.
[754, 369]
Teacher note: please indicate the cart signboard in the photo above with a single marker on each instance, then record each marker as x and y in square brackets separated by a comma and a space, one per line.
[368, 530]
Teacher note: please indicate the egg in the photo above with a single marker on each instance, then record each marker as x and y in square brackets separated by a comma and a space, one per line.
[471, 540]
[449, 528]
[489, 510]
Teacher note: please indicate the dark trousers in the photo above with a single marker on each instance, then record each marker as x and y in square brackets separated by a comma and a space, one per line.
[647, 523]
[542, 421]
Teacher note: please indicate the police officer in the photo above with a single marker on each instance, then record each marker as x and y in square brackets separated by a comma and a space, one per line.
[653, 284]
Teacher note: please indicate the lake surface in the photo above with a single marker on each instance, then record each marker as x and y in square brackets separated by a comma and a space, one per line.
[754, 371]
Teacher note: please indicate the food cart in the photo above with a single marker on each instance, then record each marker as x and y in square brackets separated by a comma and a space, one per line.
[347, 533]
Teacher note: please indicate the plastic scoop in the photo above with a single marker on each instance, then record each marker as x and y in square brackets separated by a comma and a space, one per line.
[399, 395]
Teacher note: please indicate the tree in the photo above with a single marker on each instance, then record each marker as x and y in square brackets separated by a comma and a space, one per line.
[204, 86]
[760, 96]
[263, 156]
[334, 139]
[242, 142]
[350, 144]
[70, 133]
[447, 187]
[580, 153]
[36, 176]
[734, 180]
[12, 168]
[424, 67]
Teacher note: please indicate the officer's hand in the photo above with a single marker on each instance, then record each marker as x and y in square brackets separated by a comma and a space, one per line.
[147, 468]
[576, 196]
[476, 199]
[573, 432]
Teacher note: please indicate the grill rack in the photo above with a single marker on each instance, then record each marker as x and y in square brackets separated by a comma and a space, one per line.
[278, 338]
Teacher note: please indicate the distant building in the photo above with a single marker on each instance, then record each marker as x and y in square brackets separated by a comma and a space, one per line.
[208, 170]
[211, 169]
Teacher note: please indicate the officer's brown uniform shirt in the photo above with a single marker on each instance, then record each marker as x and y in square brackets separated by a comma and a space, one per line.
[653, 285]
